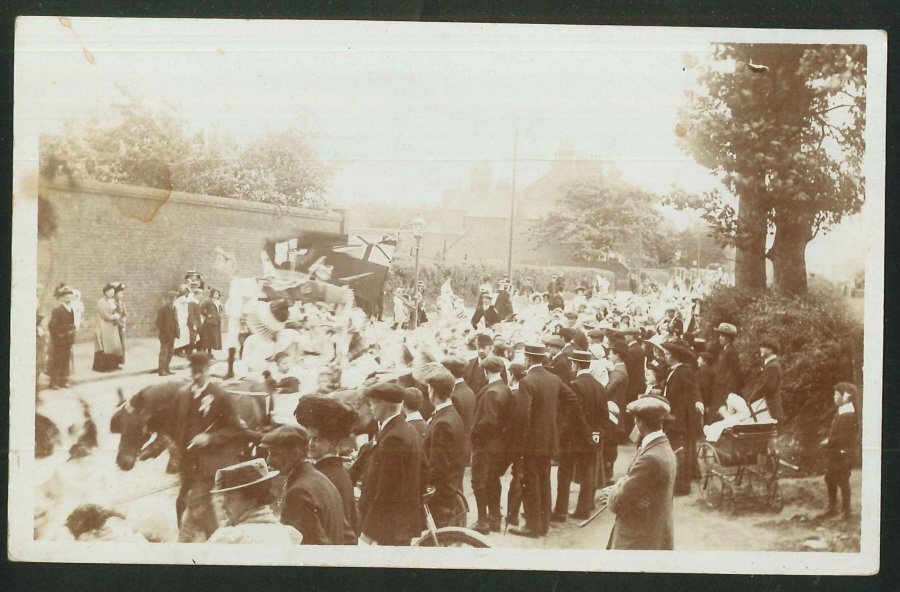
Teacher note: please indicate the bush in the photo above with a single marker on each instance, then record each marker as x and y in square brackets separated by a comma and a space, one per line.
[467, 278]
[821, 345]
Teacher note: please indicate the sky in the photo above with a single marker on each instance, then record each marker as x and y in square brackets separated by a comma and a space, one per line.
[403, 109]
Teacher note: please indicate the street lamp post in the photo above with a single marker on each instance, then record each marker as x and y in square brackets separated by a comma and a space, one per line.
[418, 229]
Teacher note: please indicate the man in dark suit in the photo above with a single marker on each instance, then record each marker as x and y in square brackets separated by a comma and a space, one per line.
[729, 375]
[840, 447]
[493, 409]
[635, 364]
[706, 377]
[205, 422]
[503, 306]
[487, 312]
[642, 499]
[542, 396]
[680, 390]
[390, 504]
[62, 337]
[310, 502]
[412, 402]
[167, 326]
[586, 429]
[768, 385]
[617, 387]
[446, 450]
[557, 362]
[474, 373]
[194, 319]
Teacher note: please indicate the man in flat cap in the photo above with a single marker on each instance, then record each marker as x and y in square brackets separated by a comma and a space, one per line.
[390, 504]
[681, 392]
[729, 375]
[493, 414]
[474, 373]
[310, 501]
[557, 361]
[205, 421]
[62, 337]
[447, 449]
[642, 499]
[542, 399]
[463, 396]
[768, 385]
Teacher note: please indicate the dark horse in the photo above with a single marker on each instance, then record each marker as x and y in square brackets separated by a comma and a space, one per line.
[149, 413]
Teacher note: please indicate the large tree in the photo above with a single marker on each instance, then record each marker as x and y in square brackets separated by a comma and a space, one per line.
[601, 214]
[782, 127]
[142, 146]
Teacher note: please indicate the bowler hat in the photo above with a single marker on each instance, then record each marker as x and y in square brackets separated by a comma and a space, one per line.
[199, 360]
[650, 407]
[620, 347]
[682, 354]
[385, 391]
[243, 475]
[286, 436]
[726, 328]
[770, 343]
[535, 349]
[581, 356]
[481, 340]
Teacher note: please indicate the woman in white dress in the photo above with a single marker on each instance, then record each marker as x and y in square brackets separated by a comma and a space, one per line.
[181, 312]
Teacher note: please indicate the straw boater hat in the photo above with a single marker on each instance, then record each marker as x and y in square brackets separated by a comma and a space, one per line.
[726, 329]
[581, 357]
[245, 474]
[535, 349]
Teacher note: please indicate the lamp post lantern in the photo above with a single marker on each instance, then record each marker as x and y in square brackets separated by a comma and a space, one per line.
[418, 229]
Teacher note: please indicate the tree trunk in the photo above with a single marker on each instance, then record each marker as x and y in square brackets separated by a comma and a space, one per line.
[788, 255]
[750, 245]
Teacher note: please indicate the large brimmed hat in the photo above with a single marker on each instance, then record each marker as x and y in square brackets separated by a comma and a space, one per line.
[726, 328]
[620, 347]
[680, 353]
[243, 475]
[581, 356]
[482, 339]
[652, 407]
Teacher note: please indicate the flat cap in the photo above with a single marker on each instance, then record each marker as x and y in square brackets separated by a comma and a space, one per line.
[492, 364]
[286, 436]
[554, 342]
[650, 407]
[386, 391]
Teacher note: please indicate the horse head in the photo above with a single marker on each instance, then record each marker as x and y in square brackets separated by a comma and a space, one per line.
[137, 419]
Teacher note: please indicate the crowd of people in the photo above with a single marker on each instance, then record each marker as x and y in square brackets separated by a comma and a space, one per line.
[525, 383]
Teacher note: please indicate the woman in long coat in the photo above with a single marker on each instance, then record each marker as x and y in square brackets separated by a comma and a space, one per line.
[107, 343]
[211, 329]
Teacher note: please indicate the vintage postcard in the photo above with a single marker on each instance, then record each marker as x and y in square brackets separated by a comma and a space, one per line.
[545, 295]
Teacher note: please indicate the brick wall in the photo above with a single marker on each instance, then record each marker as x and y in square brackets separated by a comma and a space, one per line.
[148, 238]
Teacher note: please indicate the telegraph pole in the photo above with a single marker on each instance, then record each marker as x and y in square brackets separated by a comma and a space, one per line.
[512, 208]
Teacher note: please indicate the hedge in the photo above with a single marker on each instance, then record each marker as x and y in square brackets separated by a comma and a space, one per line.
[821, 345]
[467, 278]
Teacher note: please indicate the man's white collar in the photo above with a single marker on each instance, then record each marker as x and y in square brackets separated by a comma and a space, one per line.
[651, 437]
[440, 406]
[846, 408]
[584, 371]
[198, 390]
[381, 424]
[459, 380]
[414, 416]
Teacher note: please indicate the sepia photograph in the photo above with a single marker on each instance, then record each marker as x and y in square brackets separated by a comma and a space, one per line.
[540, 294]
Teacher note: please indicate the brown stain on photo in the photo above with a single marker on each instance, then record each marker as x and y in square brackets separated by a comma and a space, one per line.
[141, 209]
[680, 130]
[88, 56]
[64, 21]
[220, 51]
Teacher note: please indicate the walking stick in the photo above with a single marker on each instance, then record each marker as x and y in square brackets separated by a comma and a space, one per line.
[595, 514]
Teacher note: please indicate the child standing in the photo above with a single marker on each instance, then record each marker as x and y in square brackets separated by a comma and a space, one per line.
[839, 448]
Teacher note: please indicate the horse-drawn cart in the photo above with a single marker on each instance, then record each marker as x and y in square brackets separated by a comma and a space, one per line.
[742, 466]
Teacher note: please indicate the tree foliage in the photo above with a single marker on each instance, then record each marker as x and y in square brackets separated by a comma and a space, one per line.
[599, 215]
[782, 127]
[152, 148]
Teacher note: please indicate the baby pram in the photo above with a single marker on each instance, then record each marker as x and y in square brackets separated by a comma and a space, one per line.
[742, 465]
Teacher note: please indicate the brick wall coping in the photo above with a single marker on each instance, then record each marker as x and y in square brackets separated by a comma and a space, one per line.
[150, 193]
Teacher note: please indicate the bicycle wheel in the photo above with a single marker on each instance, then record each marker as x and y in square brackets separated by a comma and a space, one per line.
[454, 536]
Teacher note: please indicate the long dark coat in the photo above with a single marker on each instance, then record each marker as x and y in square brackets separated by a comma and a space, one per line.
[594, 415]
[617, 387]
[542, 398]
[476, 380]
[493, 414]
[446, 447]
[642, 501]
[682, 393]
[167, 323]
[313, 505]
[333, 468]
[562, 368]
[211, 330]
[390, 505]
[729, 376]
[769, 387]
[637, 382]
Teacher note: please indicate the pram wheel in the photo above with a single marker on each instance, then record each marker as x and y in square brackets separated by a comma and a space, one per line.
[713, 491]
[707, 459]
